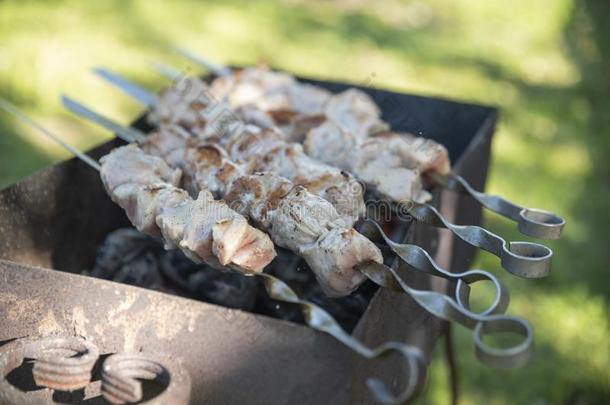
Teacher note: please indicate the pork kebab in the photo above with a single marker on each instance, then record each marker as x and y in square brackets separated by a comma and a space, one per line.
[350, 134]
[206, 230]
[262, 149]
[295, 218]
[198, 113]
[343, 130]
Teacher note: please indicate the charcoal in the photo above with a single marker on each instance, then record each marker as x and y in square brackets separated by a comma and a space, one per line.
[129, 257]
[142, 271]
[294, 272]
[178, 268]
[118, 249]
[224, 288]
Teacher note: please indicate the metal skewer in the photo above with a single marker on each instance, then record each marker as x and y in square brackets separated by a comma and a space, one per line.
[441, 305]
[207, 64]
[167, 71]
[315, 316]
[532, 222]
[523, 259]
[133, 90]
[11, 108]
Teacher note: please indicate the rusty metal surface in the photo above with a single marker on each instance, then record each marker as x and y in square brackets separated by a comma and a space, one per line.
[57, 217]
[64, 363]
[61, 363]
[221, 348]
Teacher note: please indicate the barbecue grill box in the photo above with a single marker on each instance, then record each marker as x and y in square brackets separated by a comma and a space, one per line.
[57, 218]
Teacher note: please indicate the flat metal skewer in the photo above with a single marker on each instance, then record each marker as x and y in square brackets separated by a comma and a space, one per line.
[125, 133]
[133, 90]
[315, 316]
[523, 259]
[441, 305]
[215, 68]
[532, 222]
[13, 110]
[167, 71]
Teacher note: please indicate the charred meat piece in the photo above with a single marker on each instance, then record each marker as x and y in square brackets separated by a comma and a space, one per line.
[128, 164]
[354, 111]
[309, 226]
[204, 229]
[265, 150]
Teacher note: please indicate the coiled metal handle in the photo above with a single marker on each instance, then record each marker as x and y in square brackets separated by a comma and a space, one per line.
[122, 372]
[532, 222]
[321, 320]
[446, 308]
[523, 259]
[60, 363]
[420, 260]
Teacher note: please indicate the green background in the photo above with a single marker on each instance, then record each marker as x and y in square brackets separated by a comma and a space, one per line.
[544, 63]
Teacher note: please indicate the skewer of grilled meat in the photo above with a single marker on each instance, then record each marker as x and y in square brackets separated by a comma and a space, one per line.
[189, 106]
[206, 230]
[391, 164]
[350, 122]
[295, 218]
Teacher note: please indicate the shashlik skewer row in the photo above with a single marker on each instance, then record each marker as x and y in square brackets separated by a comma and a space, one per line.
[354, 112]
[317, 318]
[335, 127]
[259, 150]
[523, 259]
[391, 164]
[436, 303]
[295, 219]
[213, 162]
[393, 171]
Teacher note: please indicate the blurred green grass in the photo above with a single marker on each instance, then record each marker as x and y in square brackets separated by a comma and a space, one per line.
[545, 64]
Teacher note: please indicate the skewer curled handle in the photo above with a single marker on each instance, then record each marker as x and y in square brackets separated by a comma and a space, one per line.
[448, 309]
[523, 259]
[532, 222]
[60, 363]
[420, 260]
[122, 375]
[319, 319]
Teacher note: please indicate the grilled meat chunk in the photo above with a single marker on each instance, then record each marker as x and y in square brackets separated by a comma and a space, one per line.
[204, 229]
[388, 164]
[309, 226]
